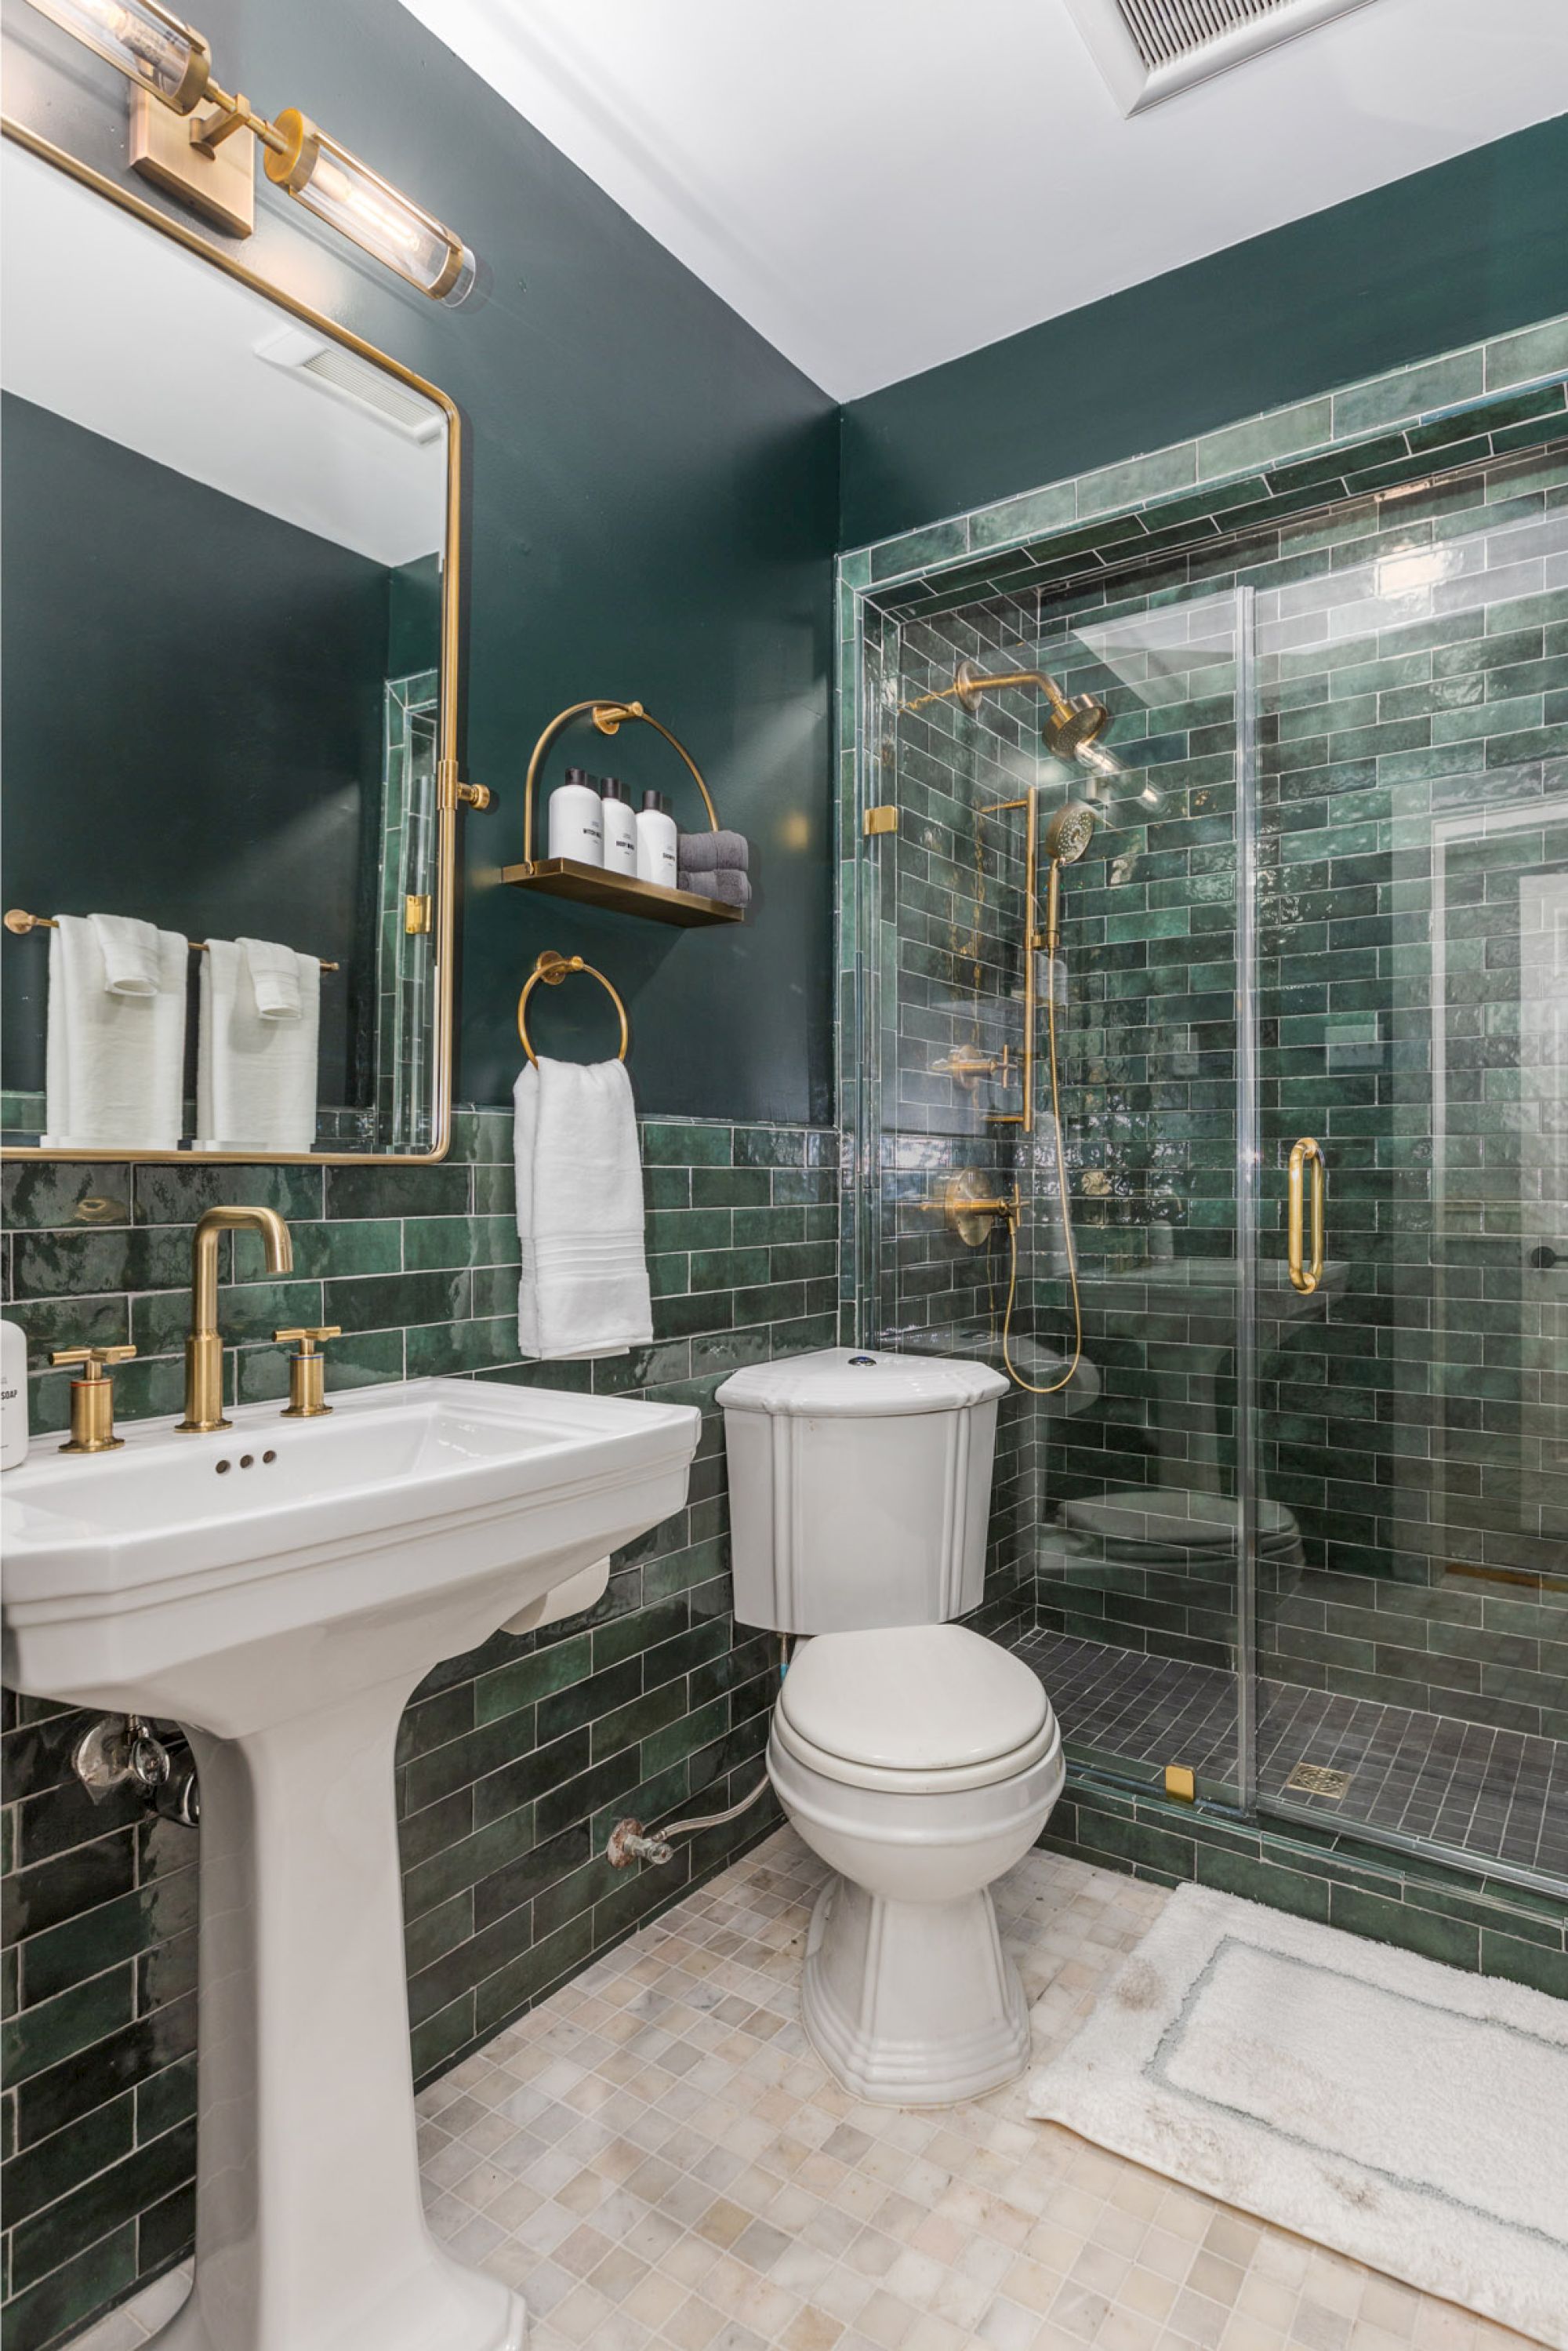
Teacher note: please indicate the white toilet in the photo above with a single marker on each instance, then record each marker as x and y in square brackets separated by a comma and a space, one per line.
[919, 1760]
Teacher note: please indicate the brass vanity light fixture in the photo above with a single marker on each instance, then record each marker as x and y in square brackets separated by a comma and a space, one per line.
[183, 130]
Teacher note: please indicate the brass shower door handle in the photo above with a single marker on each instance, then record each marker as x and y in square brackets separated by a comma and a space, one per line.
[1305, 1277]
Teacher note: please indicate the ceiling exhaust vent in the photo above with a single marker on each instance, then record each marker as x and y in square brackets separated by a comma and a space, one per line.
[1151, 49]
[347, 377]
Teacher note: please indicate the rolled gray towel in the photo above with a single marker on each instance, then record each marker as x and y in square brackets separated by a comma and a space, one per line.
[728, 886]
[709, 852]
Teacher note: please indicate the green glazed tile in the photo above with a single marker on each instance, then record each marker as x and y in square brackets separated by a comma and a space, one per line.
[1412, 392]
[1534, 351]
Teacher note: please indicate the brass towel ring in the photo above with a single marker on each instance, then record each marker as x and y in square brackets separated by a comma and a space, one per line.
[552, 969]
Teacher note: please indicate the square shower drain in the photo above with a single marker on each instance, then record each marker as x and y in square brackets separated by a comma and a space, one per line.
[1317, 1780]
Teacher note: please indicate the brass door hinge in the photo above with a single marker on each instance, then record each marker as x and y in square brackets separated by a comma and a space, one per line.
[418, 916]
[881, 820]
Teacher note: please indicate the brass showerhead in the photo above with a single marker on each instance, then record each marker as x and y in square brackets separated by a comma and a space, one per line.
[1069, 833]
[1072, 723]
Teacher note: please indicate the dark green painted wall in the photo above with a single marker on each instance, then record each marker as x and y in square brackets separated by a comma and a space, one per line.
[651, 502]
[263, 637]
[1447, 256]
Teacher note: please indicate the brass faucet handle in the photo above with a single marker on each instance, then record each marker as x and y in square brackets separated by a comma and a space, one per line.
[307, 1377]
[92, 1398]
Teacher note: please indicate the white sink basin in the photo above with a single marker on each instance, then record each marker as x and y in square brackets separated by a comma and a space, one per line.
[281, 1609]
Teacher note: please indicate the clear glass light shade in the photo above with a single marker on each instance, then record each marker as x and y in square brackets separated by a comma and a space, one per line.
[143, 40]
[356, 202]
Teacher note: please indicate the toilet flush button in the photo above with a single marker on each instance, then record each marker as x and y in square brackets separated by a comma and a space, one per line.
[862, 1363]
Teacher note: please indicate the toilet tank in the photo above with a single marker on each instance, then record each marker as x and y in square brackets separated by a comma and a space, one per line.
[859, 1488]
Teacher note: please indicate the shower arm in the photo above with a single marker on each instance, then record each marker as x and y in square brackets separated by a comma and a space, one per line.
[964, 688]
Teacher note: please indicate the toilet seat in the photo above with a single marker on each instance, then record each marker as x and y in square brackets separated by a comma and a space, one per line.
[915, 1710]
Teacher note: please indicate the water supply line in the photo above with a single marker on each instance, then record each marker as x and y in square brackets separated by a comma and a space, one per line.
[628, 1841]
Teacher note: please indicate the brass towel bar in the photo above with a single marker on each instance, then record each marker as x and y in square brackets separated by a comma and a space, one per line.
[20, 924]
[552, 969]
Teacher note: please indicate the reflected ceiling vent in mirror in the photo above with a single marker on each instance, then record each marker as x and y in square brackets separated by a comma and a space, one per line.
[313, 359]
[1152, 49]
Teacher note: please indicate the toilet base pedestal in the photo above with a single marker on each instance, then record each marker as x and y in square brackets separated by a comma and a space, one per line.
[912, 2003]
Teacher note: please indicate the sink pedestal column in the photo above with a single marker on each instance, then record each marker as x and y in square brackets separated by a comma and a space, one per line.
[310, 2234]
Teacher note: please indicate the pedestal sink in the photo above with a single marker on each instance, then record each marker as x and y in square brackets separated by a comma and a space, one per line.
[278, 1589]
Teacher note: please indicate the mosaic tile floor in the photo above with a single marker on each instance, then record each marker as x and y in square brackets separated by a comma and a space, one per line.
[658, 2158]
[1496, 1793]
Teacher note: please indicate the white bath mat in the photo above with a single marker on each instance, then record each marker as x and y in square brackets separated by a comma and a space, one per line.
[1409, 2114]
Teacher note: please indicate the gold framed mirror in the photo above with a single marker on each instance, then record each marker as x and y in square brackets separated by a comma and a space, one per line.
[232, 561]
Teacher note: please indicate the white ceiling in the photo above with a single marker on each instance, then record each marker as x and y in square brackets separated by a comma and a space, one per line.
[878, 186]
[129, 336]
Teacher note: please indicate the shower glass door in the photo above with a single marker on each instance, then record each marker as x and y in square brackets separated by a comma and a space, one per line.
[1121, 1516]
[1411, 852]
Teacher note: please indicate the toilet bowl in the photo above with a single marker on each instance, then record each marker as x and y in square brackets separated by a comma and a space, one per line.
[917, 1758]
[878, 1753]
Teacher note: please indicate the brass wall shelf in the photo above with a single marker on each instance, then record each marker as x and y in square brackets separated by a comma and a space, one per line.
[592, 886]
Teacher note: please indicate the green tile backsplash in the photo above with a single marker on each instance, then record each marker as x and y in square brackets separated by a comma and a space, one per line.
[514, 1761]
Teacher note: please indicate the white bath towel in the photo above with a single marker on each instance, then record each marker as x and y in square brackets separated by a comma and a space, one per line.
[255, 1078]
[131, 952]
[584, 1287]
[276, 977]
[113, 1062]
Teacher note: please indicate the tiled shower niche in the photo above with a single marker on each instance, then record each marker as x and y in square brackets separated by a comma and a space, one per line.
[1344, 732]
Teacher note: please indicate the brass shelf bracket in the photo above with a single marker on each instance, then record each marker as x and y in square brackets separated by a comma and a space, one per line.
[567, 877]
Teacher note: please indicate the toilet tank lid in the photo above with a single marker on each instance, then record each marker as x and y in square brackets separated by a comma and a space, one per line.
[838, 1381]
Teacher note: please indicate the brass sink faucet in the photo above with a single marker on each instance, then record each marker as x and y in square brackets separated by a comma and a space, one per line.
[205, 1347]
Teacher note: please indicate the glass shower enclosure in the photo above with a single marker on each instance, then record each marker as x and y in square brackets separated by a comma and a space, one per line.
[1286, 1522]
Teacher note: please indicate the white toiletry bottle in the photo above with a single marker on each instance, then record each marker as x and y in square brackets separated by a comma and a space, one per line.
[619, 829]
[657, 859]
[13, 1396]
[577, 820]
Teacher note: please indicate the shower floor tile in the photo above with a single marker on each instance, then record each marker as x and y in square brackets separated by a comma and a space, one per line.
[1500, 1795]
[659, 2161]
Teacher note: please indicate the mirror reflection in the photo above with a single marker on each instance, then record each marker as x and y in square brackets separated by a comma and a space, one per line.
[221, 630]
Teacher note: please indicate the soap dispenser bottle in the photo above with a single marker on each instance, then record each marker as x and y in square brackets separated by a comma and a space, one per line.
[577, 820]
[13, 1396]
[656, 858]
[619, 829]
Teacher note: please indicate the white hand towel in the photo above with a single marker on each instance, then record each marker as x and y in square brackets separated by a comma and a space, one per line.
[255, 1079]
[274, 977]
[131, 953]
[114, 1064]
[584, 1287]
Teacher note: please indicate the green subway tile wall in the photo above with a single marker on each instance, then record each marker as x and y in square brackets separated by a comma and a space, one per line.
[515, 1762]
[1410, 653]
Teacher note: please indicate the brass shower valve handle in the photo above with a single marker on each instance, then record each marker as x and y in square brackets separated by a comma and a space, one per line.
[92, 1398]
[307, 1377]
